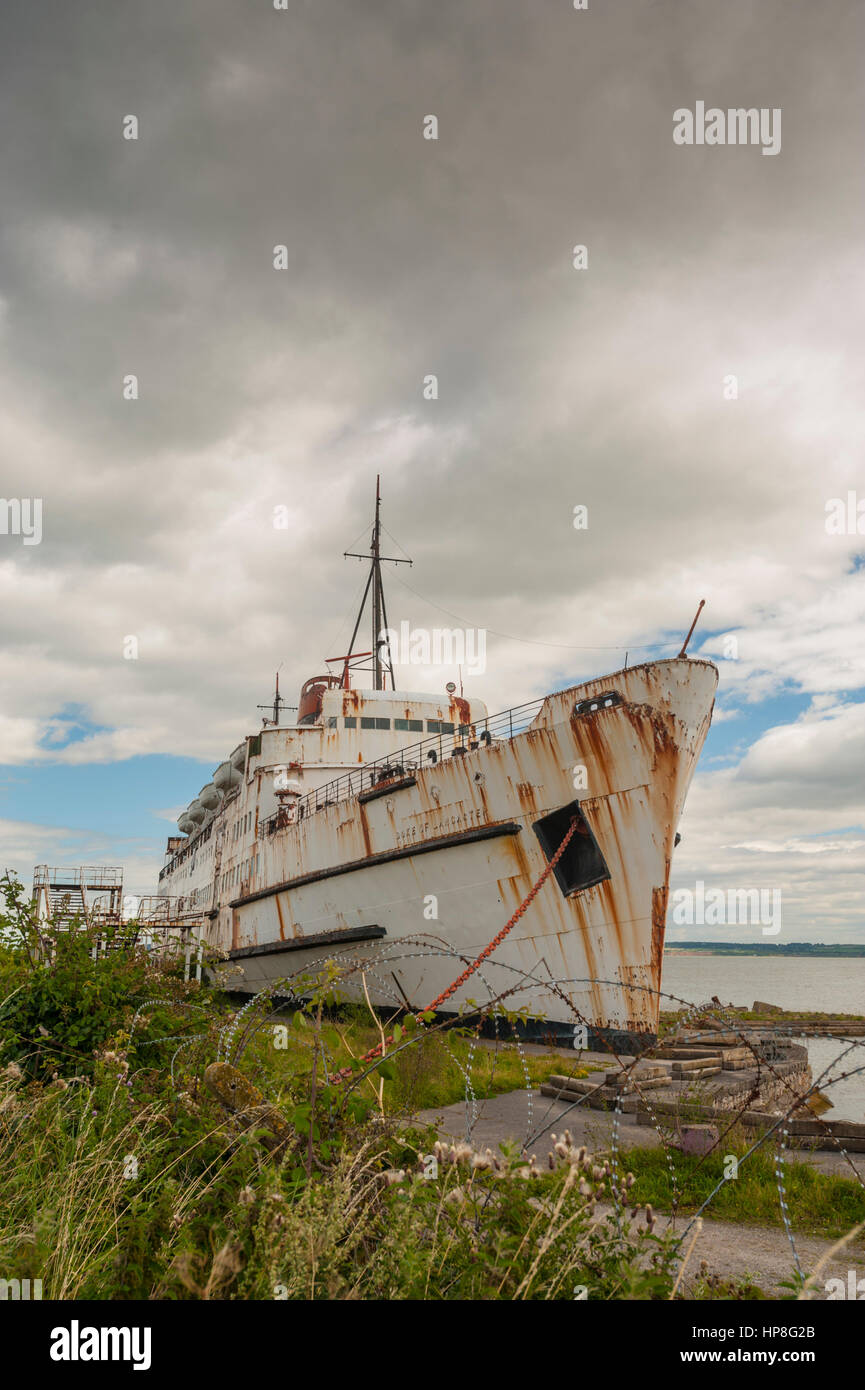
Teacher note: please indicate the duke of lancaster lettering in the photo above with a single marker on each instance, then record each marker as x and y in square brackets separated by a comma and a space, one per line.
[76, 1343]
[736, 126]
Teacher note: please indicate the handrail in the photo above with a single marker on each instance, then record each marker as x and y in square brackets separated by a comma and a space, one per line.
[86, 875]
[466, 738]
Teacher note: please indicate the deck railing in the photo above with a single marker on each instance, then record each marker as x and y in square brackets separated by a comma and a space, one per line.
[86, 876]
[404, 762]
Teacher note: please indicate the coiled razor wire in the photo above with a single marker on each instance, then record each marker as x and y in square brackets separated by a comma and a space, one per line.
[350, 969]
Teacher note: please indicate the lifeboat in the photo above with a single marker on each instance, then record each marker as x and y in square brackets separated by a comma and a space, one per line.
[238, 757]
[226, 776]
[210, 797]
[195, 812]
[185, 824]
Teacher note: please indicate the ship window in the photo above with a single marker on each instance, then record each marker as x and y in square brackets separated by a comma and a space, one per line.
[331, 721]
[439, 726]
[465, 728]
[582, 865]
[351, 721]
[414, 726]
[368, 722]
[605, 701]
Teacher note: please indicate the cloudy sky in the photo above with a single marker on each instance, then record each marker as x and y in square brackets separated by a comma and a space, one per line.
[259, 388]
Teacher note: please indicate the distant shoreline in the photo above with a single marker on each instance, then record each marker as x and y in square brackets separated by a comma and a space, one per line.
[808, 949]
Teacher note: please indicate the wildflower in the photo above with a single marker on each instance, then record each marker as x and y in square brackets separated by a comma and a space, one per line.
[246, 1196]
[394, 1176]
[13, 1072]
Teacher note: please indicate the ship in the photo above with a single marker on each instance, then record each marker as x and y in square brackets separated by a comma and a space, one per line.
[401, 833]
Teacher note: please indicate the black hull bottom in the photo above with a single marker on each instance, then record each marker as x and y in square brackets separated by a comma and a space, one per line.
[615, 1042]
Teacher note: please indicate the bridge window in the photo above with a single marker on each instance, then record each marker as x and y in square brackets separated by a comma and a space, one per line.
[368, 722]
[439, 726]
[414, 726]
[351, 721]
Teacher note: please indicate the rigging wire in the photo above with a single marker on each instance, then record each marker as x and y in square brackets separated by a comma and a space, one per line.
[395, 541]
[343, 625]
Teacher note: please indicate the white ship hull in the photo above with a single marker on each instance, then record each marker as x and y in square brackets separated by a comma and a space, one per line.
[416, 876]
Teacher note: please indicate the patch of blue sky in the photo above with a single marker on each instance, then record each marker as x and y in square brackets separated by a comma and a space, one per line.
[119, 798]
[729, 739]
[69, 725]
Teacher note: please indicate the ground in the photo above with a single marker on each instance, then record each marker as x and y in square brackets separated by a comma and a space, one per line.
[733, 1251]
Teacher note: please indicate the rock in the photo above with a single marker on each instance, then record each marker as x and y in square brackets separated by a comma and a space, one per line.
[698, 1139]
[762, 1008]
[246, 1104]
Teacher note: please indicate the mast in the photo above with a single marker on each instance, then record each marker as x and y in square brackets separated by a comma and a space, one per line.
[276, 701]
[278, 704]
[376, 591]
[381, 666]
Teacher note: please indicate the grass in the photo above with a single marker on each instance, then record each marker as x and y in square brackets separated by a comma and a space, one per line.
[669, 1021]
[819, 1204]
[426, 1077]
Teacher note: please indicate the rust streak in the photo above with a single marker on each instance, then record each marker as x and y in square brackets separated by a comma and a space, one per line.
[279, 915]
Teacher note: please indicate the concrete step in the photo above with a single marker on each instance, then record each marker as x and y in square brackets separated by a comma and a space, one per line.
[601, 1098]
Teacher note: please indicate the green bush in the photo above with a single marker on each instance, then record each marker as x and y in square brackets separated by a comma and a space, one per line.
[59, 1006]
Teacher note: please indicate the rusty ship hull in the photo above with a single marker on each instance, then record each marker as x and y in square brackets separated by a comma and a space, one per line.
[411, 863]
